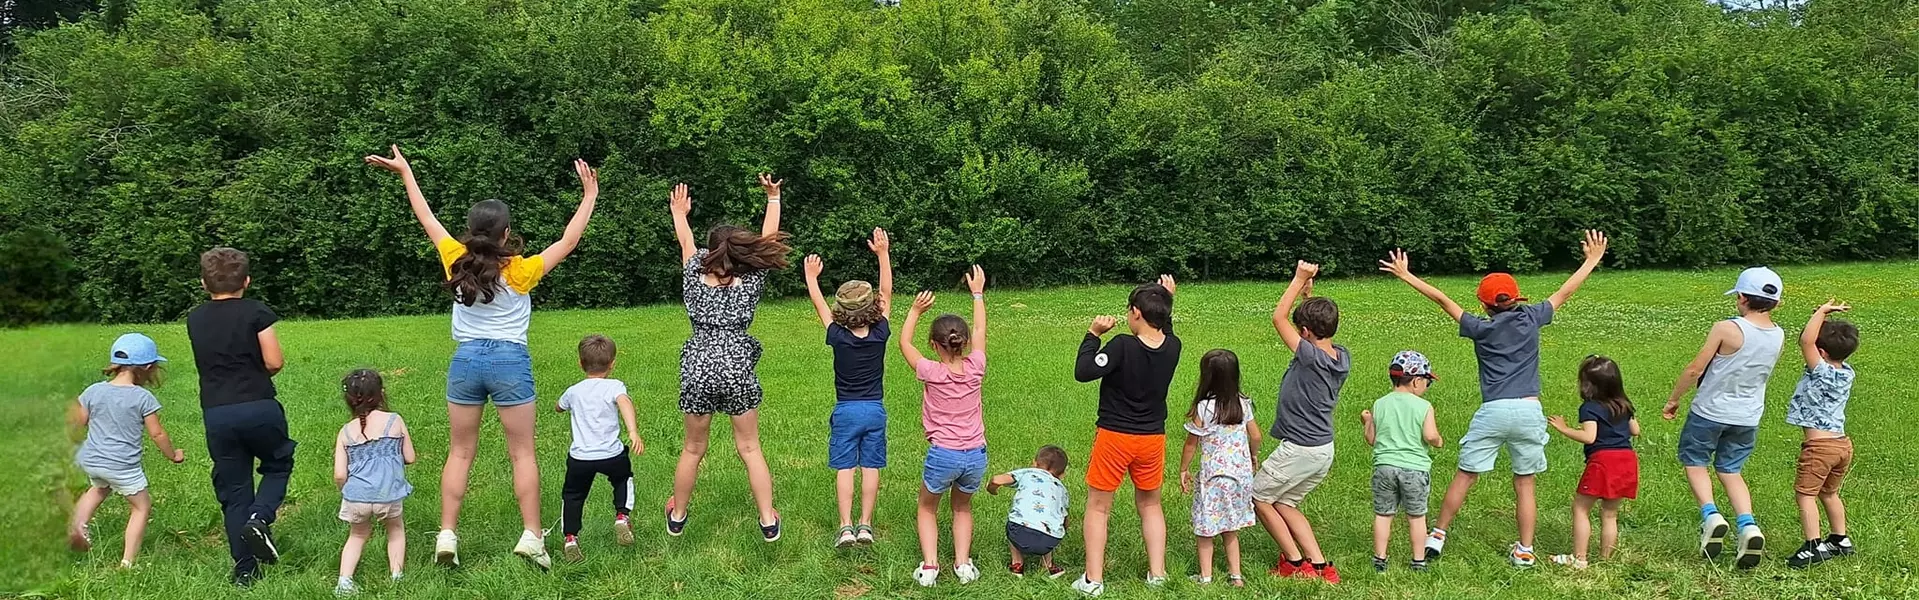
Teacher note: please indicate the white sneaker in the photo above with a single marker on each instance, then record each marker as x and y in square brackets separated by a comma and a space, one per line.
[1520, 556]
[1435, 543]
[926, 576]
[1090, 589]
[533, 549]
[1752, 544]
[1155, 580]
[1712, 535]
[446, 549]
[344, 587]
[967, 572]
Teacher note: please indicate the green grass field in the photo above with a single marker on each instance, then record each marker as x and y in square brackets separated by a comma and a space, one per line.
[1651, 322]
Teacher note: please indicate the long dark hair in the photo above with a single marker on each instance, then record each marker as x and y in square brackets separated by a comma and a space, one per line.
[365, 393]
[1599, 381]
[475, 276]
[949, 332]
[1219, 380]
[732, 251]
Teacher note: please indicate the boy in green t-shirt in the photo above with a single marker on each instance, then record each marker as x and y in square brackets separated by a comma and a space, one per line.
[1399, 427]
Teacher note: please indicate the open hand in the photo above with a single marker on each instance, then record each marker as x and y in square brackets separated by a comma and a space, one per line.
[922, 302]
[1166, 281]
[771, 185]
[1594, 246]
[1557, 421]
[1671, 411]
[639, 446]
[813, 266]
[396, 163]
[680, 201]
[1305, 270]
[976, 280]
[589, 178]
[179, 456]
[879, 244]
[1833, 306]
[1186, 482]
[1103, 324]
[1398, 264]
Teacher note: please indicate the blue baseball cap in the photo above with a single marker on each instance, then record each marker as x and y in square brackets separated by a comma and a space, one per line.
[1759, 282]
[135, 349]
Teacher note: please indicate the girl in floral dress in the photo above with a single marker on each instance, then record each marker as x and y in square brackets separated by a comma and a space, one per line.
[1224, 436]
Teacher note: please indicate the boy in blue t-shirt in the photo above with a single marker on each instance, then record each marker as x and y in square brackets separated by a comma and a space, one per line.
[857, 330]
[1036, 522]
[1819, 408]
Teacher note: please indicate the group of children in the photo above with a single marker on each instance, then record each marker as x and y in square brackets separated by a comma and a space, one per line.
[237, 353]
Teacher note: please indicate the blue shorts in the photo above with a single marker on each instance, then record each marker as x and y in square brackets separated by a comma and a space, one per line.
[1704, 442]
[959, 470]
[496, 369]
[1516, 424]
[858, 435]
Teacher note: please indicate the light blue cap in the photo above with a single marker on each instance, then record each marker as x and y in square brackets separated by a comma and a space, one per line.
[135, 349]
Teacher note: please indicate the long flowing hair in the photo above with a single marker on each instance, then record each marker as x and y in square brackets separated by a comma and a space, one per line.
[1219, 380]
[475, 276]
[1599, 381]
[732, 251]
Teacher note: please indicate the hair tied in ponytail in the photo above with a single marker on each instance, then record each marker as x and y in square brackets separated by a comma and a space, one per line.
[475, 275]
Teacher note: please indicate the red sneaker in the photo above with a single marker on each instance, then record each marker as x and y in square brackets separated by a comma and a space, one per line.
[1018, 569]
[1283, 569]
[1330, 573]
[1306, 571]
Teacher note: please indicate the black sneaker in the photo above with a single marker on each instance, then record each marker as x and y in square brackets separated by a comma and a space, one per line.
[1810, 553]
[1840, 545]
[675, 528]
[259, 538]
[1379, 564]
[771, 532]
[1418, 566]
[245, 575]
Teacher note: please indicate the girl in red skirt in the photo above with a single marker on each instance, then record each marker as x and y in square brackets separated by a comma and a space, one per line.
[1606, 427]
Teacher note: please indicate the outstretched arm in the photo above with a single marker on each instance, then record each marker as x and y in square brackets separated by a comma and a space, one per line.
[398, 164]
[772, 187]
[907, 349]
[1585, 434]
[1303, 274]
[1594, 247]
[1809, 339]
[1721, 333]
[813, 268]
[680, 202]
[161, 440]
[976, 281]
[882, 247]
[570, 239]
[1401, 267]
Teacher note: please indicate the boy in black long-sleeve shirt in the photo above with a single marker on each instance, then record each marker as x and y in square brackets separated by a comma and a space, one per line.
[1134, 372]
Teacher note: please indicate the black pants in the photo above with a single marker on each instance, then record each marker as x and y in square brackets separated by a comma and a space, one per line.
[579, 480]
[238, 435]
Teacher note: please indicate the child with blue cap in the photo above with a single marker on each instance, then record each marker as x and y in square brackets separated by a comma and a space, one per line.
[114, 413]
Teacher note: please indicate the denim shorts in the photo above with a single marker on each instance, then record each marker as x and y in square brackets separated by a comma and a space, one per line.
[1518, 425]
[1704, 442]
[960, 470]
[857, 436]
[496, 369]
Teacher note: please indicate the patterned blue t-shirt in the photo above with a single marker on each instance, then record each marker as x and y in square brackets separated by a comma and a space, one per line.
[1819, 401]
[1039, 502]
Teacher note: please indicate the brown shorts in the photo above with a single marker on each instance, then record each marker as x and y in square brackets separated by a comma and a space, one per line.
[1822, 466]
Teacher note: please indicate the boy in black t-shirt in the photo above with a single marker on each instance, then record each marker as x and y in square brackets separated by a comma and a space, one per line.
[237, 355]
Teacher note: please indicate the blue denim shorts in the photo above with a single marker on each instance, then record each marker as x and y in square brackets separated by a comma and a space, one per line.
[1516, 424]
[495, 369]
[1704, 442]
[857, 436]
[961, 470]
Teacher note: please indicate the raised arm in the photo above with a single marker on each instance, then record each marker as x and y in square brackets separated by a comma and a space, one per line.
[905, 337]
[680, 202]
[1689, 377]
[882, 248]
[976, 282]
[1088, 366]
[161, 440]
[1809, 339]
[421, 211]
[270, 354]
[1594, 247]
[813, 268]
[570, 239]
[339, 459]
[772, 187]
[625, 404]
[1303, 274]
[1400, 266]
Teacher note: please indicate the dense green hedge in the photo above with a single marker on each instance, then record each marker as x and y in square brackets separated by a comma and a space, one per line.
[1054, 141]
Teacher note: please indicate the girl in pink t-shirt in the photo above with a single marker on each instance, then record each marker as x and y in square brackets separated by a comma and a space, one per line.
[955, 426]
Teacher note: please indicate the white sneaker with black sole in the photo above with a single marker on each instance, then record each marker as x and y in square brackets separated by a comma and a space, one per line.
[1712, 535]
[1435, 543]
[1752, 545]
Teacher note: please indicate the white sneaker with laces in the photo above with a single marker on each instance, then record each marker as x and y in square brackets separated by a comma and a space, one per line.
[533, 549]
[966, 572]
[1752, 545]
[1435, 543]
[926, 576]
[1091, 589]
[446, 549]
[1712, 535]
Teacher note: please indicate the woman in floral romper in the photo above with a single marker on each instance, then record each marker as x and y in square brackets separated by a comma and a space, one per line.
[1225, 437]
[722, 284]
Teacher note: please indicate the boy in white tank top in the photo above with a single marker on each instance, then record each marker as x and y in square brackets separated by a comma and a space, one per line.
[1731, 372]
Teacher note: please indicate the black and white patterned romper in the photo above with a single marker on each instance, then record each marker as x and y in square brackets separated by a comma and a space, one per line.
[717, 364]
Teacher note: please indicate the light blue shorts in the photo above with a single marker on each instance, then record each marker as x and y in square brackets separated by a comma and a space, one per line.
[490, 369]
[1518, 425]
[960, 470]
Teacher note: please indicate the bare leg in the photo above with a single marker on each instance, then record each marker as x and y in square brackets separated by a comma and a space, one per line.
[1526, 507]
[688, 471]
[1736, 493]
[1152, 525]
[1302, 531]
[1582, 524]
[1609, 526]
[1099, 508]
[1700, 480]
[928, 522]
[1382, 534]
[1205, 556]
[356, 537]
[962, 527]
[85, 506]
[870, 487]
[517, 421]
[1455, 497]
[1808, 516]
[746, 440]
[463, 440]
[1835, 512]
[1417, 527]
[395, 546]
[1276, 527]
[1232, 554]
[1018, 558]
[136, 526]
[843, 484]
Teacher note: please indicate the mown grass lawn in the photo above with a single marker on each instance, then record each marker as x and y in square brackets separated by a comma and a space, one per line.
[1651, 322]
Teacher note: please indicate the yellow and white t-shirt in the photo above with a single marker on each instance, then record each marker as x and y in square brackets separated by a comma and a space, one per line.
[506, 317]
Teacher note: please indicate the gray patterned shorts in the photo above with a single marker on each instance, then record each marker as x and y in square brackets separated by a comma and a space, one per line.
[1397, 490]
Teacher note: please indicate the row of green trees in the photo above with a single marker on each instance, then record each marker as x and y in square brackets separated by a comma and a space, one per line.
[1055, 141]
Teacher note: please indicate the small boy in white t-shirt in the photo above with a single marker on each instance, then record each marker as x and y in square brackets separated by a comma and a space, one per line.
[598, 405]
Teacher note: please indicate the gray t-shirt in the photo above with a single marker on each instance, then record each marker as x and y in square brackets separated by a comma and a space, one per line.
[596, 418]
[1508, 348]
[116, 424]
[1307, 394]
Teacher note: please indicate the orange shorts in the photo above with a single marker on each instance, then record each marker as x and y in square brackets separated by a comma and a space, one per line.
[1117, 455]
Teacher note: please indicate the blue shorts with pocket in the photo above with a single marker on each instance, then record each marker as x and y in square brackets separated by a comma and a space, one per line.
[490, 369]
[857, 436]
[1516, 424]
[961, 470]
[1705, 442]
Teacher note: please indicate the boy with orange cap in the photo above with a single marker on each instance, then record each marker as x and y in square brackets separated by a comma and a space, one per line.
[1506, 341]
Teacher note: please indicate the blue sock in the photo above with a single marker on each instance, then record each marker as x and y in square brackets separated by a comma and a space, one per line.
[1745, 520]
[1708, 510]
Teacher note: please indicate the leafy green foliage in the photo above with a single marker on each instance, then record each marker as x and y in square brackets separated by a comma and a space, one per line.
[1054, 141]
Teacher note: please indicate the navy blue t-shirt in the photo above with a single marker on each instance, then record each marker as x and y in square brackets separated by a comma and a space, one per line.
[859, 363]
[1612, 433]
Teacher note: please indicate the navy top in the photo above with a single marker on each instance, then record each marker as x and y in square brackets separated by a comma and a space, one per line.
[1508, 348]
[859, 363]
[1613, 433]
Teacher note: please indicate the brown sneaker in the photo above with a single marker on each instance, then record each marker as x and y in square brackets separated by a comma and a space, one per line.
[622, 531]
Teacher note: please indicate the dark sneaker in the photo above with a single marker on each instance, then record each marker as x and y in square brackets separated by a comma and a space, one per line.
[675, 528]
[1418, 566]
[245, 575]
[1054, 572]
[1840, 545]
[1379, 564]
[1809, 554]
[259, 538]
[771, 532]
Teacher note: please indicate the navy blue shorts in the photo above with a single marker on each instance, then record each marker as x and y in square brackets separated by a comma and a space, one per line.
[858, 435]
[1032, 543]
